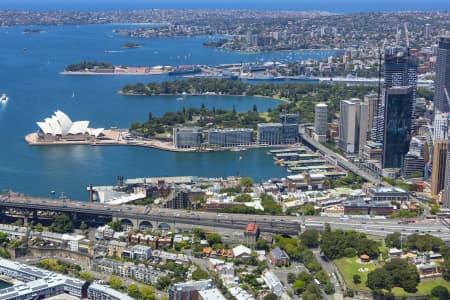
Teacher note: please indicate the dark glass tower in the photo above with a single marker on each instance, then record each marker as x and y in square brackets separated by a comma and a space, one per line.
[442, 80]
[400, 69]
[397, 125]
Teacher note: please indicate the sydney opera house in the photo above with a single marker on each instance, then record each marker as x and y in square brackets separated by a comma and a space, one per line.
[60, 127]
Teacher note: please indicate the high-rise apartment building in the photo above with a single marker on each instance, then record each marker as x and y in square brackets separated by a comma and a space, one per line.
[349, 125]
[321, 118]
[321, 122]
[442, 80]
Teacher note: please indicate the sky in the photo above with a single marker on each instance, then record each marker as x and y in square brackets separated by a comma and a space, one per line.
[340, 6]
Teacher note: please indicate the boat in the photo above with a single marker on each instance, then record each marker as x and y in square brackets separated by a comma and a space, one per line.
[182, 70]
[216, 75]
[180, 99]
[303, 78]
[73, 94]
[4, 98]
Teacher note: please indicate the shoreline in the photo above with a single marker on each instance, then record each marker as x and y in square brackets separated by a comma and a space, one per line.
[32, 139]
[114, 73]
[212, 95]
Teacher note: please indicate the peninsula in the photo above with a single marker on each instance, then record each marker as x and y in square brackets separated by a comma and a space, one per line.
[104, 68]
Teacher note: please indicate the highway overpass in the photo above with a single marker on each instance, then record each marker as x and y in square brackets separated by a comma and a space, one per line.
[143, 217]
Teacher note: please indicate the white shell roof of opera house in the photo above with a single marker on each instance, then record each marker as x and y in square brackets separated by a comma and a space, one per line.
[61, 124]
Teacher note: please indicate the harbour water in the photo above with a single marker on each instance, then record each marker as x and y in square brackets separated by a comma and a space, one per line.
[29, 74]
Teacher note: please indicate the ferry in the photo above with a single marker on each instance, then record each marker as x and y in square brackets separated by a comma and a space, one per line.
[4, 98]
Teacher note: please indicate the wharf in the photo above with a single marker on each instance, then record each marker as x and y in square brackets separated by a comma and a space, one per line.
[118, 137]
[110, 137]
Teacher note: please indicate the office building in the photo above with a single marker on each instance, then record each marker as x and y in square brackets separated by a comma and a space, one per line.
[321, 122]
[187, 137]
[439, 165]
[413, 166]
[440, 126]
[446, 202]
[230, 137]
[290, 127]
[400, 69]
[349, 125]
[442, 79]
[416, 158]
[270, 133]
[397, 128]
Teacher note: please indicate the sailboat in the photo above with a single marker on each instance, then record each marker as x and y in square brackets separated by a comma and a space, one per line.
[73, 94]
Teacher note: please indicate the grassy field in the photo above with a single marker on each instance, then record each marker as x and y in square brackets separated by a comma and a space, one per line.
[424, 288]
[349, 267]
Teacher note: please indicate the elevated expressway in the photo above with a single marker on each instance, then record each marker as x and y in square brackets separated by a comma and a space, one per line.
[169, 219]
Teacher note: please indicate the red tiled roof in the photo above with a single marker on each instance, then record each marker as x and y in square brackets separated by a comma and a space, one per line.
[251, 227]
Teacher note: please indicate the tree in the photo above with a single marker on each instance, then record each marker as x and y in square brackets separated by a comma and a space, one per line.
[246, 182]
[115, 282]
[86, 276]
[290, 277]
[213, 238]
[356, 279]
[163, 282]
[440, 292]
[115, 225]
[62, 224]
[262, 244]
[199, 274]
[379, 279]
[393, 240]
[270, 296]
[148, 292]
[38, 227]
[83, 225]
[133, 291]
[299, 286]
[310, 238]
[4, 238]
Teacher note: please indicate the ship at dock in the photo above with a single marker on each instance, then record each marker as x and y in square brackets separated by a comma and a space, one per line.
[184, 70]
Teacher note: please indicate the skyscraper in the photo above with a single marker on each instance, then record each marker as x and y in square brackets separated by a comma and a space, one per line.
[440, 125]
[321, 122]
[439, 166]
[400, 69]
[442, 80]
[397, 125]
[446, 201]
[349, 125]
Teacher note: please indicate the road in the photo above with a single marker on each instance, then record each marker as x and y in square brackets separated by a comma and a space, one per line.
[342, 161]
[382, 227]
[237, 222]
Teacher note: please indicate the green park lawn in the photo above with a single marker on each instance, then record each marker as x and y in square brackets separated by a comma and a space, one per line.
[424, 288]
[349, 267]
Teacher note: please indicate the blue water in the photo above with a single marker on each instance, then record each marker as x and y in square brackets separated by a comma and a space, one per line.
[31, 79]
[341, 6]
